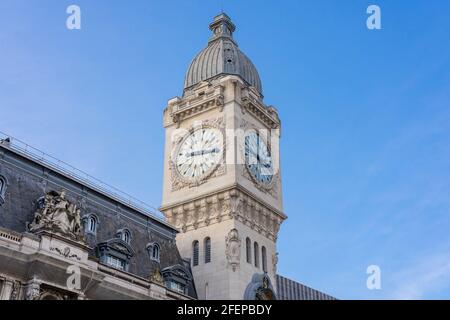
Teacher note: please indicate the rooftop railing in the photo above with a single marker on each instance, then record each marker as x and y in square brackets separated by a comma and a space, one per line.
[62, 167]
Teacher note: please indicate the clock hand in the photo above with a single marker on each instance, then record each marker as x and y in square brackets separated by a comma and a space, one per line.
[202, 152]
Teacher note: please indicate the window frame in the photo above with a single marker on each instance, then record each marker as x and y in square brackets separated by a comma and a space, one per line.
[256, 254]
[207, 250]
[125, 235]
[264, 258]
[195, 253]
[152, 248]
[248, 250]
[87, 224]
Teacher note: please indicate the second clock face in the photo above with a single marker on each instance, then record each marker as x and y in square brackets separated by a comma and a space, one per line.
[199, 154]
[258, 159]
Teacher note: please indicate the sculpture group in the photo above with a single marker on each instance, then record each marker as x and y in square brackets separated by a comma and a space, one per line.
[56, 214]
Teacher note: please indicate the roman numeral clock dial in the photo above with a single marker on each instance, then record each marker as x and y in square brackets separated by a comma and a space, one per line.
[258, 159]
[199, 154]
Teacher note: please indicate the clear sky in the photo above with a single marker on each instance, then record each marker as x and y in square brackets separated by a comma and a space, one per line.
[365, 114]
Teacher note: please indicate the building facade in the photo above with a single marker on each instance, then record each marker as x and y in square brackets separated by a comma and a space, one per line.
[55, 224]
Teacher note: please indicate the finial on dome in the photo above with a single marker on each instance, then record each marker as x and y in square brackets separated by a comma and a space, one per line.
[222, 27]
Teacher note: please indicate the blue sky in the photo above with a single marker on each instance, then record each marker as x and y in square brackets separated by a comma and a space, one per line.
[366, 118]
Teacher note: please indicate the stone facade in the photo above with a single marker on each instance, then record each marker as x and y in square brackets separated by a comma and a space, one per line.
[44, 230]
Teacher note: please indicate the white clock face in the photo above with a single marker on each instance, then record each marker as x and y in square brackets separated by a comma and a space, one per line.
[199, 153]
[258, 159]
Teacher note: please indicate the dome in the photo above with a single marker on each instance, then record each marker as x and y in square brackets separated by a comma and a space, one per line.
[222, 57]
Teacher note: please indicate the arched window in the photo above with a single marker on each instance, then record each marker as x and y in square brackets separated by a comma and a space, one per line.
[92, 223]
[264, 258]
[156, 251]
[125, 235]
[195, 249]
[256, 252]
[207, 247]
[248, 249]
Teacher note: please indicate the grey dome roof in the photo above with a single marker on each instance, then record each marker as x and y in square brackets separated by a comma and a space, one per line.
[222, 56]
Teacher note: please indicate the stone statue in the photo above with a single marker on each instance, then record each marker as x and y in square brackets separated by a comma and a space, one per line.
[233, 249]
[55, 213]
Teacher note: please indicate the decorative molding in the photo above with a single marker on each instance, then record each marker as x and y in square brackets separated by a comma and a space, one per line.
[157, 277]
[251, 103]
[225, 205]
[206, 97]
[274, 262]
[66, 253]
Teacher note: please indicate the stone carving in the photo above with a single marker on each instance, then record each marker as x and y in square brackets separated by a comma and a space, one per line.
[157, 277]
[229, 204]
[66, 253]
[260, 288]
[274, 262]
[55, 213]
[33, 291]
[233, 249]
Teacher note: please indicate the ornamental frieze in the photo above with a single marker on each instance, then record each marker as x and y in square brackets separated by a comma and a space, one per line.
[225, 205]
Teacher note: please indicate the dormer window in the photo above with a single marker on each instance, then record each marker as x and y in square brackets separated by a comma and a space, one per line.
[90, 224]
[177, 278]
[125, 235]
[154, 250]
[115, 253]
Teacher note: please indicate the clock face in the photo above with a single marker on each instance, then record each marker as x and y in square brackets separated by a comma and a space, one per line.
[199, 154]
[258, 159]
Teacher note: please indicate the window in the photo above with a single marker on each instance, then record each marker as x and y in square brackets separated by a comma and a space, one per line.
[125, 235]
[92, 224]
[264, 258]
[176, 286]
[115, 253]
[195, 248]
[256, 250]
[207, 246]
[155, 252]
[248, 250]
[116, 263]
[178, 278]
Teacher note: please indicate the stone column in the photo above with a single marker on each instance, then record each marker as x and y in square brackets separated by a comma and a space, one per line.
[7, 289]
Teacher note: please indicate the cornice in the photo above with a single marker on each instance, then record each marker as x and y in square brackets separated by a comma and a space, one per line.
[233, 202]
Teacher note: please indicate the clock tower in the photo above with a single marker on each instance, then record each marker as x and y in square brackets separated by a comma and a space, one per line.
[222, 181]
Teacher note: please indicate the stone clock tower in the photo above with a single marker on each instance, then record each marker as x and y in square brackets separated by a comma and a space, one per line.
[222, 183]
